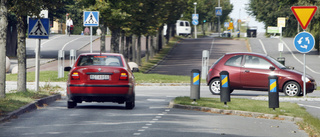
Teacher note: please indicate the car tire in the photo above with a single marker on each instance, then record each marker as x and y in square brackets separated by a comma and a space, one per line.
[292, 88]
[214, 86]
[71, 104]
[130, 104]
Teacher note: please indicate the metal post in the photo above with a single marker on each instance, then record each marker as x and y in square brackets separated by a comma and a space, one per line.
[72, 57]
[61, 64]
[195, 26]
[219, 19]
[304, 75]
[38, 43]
[90, 39]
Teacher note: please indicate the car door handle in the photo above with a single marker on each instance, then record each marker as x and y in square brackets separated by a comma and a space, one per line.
[246, 71]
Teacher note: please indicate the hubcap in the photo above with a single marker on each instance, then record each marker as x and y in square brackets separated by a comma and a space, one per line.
[215, 87]
[291, 90]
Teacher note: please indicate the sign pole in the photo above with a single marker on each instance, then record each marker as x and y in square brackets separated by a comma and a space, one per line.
[90, 39]
[304, 75]
[37, 64]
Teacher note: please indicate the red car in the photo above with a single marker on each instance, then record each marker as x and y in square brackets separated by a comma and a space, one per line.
[104, 77]
[250, 71]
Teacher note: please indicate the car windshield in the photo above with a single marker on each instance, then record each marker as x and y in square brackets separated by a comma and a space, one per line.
[100, 60]
[278, 64]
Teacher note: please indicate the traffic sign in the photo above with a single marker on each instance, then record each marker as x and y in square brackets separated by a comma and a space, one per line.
[304, 14]
[195, 22]
[218, 11]
[230, 25]
[38, 28]
[91, 18]
[304, 42]
[281, 22]
[226, 24]
[195, 16]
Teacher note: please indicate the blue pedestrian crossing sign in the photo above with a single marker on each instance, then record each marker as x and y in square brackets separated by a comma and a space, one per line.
[218, 11]
[304, 42]
[91, 18]
[38, 28]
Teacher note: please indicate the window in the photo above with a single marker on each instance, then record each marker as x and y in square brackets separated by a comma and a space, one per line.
[187, 24]
[98, 60]
[234, 61]
[181, 24]
[256, 62]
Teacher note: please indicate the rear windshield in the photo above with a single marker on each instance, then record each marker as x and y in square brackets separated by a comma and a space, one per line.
[100, 60]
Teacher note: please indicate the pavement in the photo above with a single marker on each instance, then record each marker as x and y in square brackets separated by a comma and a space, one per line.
[51, 64]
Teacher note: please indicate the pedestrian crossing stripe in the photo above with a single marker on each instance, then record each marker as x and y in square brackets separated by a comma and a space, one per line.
[273, 85]
[196, 78]
[38, 28]
[90, 18]
[224, 81]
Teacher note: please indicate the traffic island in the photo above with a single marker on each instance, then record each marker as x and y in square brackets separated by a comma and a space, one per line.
[235, 112]
[30, 107]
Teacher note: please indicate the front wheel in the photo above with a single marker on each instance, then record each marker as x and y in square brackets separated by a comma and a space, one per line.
[292, 88]
[214, 86]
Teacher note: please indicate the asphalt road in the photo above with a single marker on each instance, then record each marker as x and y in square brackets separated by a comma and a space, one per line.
[150, 117]
[187, 54]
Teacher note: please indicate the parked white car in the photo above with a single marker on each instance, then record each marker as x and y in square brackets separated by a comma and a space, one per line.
[182, 28]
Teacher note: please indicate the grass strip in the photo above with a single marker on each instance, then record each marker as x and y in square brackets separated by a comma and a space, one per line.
[310, 124]
[14, 101]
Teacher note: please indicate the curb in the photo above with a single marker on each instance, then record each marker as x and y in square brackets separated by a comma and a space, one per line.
[236, 112]
[30, 107]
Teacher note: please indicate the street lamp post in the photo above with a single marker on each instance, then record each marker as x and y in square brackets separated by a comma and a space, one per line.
[195, 26]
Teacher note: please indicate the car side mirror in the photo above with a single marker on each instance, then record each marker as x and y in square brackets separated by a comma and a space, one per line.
[67, 68]
[290, 67]
[272, 68]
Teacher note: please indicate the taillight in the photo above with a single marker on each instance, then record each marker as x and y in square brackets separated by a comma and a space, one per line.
[75, 76]
[124, 76]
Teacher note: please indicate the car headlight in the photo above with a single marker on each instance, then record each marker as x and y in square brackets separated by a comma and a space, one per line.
[307, 79]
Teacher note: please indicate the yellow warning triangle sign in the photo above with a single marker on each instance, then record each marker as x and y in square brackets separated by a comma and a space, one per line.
[304, 14]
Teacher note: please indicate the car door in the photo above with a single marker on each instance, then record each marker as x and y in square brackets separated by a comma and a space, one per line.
[255, 73]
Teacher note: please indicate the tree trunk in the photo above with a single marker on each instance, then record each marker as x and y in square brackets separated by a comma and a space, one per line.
[128, 49]
[139, 51]
[115, 40]
[122, 41]
[134, 59]
[168, 33]
[103, 39]
[3, 43]
[21, 54]
[159, 39]
[147, 48]
[203, 31]
[152, 46]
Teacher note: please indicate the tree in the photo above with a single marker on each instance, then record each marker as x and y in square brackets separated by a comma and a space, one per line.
[3, 42]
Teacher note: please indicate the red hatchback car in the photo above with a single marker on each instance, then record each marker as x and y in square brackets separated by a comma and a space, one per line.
[251, 71]
[104, 77]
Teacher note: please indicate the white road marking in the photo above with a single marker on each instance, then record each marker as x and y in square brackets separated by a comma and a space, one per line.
[64, 46]
[309, 106]
[264, 49]
[294, 56]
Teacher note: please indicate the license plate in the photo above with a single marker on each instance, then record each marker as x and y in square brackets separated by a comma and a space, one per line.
[99, 77]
